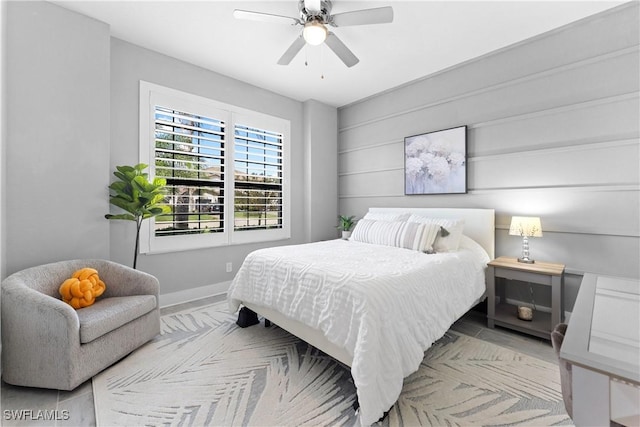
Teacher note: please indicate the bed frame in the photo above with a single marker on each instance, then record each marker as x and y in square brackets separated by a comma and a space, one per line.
[479, 225]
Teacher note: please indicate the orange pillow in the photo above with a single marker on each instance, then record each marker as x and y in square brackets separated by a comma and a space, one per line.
[82, 289]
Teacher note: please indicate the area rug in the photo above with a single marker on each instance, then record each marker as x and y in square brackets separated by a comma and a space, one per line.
[203, 370]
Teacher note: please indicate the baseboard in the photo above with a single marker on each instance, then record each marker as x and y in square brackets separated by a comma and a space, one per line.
[173, 298]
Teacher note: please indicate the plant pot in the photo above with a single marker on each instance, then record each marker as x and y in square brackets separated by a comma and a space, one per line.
[346, 234]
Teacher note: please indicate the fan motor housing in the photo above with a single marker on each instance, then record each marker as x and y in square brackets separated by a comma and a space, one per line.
[323, 15]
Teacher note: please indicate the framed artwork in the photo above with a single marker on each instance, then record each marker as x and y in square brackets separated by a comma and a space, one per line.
[436, 162]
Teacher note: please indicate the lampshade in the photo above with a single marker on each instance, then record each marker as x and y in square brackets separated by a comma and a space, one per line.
[314, 32]
[525, 226]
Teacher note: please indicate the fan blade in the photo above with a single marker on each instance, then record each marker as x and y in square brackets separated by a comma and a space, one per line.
[378, 15]
[312, 6]
[265, 17]
[292, 51]
[343, 52]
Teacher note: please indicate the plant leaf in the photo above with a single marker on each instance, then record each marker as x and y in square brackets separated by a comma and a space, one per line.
[127, 217]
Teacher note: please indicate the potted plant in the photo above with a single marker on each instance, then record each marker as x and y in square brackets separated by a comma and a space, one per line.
[346, 223]
[140, 198]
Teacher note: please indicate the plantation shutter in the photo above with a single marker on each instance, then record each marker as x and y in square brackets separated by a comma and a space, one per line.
[258, 178]
[190, 155]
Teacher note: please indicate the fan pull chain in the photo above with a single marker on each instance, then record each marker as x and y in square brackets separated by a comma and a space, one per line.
[322, 62]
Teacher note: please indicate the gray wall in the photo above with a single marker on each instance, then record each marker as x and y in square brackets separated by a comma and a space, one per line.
[3, 127]
[552, 132]
[57, 136]
[72, 105]
[321, 171]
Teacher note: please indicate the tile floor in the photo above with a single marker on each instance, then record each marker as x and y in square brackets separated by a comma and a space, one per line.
[76, 408]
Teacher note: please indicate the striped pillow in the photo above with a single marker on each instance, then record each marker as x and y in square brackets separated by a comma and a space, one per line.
[408, 235]
[447, 242]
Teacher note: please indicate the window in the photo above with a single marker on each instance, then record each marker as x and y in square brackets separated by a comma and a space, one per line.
[226, 171]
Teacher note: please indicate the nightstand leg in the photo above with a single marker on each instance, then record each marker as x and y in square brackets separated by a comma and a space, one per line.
[556, 300]
[491, 297]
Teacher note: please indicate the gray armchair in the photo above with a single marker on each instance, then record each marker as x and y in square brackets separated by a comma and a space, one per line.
[46, 343]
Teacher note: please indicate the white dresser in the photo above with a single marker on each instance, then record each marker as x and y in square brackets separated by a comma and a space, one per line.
[603, 344]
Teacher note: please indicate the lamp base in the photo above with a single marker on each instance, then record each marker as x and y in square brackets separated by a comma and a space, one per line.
[526, 260]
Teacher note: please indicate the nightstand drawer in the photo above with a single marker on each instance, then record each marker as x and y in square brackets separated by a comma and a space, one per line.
[523, 276]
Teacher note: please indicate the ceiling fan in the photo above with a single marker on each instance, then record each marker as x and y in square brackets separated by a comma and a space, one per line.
[315, 16]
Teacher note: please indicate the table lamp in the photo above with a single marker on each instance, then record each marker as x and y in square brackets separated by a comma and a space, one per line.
[525, 226]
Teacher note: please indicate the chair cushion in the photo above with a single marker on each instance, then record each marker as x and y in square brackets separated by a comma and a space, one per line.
[110, 313]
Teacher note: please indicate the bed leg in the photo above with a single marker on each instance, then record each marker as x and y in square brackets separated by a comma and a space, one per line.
[267, 322]
[246, 318]
[356, 406]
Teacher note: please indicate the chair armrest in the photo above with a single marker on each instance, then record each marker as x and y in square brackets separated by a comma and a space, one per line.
[49, 324]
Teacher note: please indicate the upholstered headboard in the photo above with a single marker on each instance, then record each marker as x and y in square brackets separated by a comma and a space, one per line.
[479, 224]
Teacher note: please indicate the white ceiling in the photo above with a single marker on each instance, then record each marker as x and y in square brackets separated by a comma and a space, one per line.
[425, 37]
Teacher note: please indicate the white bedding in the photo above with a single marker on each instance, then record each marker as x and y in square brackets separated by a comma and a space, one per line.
[384, 305]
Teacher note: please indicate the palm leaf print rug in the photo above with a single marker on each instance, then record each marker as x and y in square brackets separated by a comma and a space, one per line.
[203, 370]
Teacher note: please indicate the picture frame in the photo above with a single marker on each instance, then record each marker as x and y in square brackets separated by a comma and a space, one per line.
[436, 162]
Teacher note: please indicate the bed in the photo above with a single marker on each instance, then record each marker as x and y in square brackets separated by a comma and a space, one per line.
[374, 307]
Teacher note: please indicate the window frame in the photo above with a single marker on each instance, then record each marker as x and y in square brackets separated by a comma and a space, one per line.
[151, 95]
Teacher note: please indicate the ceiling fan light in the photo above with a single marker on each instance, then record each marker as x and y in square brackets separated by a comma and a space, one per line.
[314, 33]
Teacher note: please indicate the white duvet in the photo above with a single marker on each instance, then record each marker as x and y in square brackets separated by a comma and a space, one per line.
[384, 305]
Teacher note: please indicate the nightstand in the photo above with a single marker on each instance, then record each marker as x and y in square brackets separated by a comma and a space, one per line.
[503, 269]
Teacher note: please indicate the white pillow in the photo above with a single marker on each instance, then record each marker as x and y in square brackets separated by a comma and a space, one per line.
[415, 236]
[468, 243]
[454, 227]
[386, 216]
